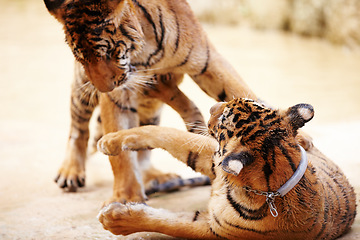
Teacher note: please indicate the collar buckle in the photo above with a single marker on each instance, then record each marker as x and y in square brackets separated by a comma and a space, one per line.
[290, 184]
[270, 199]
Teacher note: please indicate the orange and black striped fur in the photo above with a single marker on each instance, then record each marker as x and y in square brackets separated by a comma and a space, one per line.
[251, 148]
[130, 57]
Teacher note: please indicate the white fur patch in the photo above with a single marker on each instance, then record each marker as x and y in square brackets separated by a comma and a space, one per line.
[235, 166]
[305, 113]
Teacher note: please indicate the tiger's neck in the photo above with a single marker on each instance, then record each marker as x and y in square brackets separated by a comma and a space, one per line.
[274, 172]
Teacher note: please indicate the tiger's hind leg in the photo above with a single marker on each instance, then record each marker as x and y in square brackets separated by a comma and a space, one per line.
[84, 98]
[152, 177]
[125, 219]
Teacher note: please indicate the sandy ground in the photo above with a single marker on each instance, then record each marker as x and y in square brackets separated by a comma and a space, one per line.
[35, 75]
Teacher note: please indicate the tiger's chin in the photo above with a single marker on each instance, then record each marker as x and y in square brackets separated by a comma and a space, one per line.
[109, 85]
[106, 78]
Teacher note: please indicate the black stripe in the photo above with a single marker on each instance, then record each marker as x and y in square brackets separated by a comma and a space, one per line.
[270, 116]
[121, 107]
[215, 234]
[82, 132]
[348, 216]
[304, 183]
[248, 130]
[217, 220]
[315, 221]
[240, 109]
[247, 214]
[250, 229]
[285, 152]
[324, 223]
[160, 43]
[97, 46]
[222, 96]
[162, 28]
[82, 115]
[177, 41]
[112, 32]
[207, 59]
[213, 169]
[94, 21]
[230, 133]
[221, 137]
[274, 122]
[256, 134]
[254, 116]
[186, 59]
[148, 17]
[267, 172]
[91, 13]
[236, 117]
[78, 118]
[125, 33]
[191, 160]
[334, 193]
[86, 108]
[196, 216]
[241, 122]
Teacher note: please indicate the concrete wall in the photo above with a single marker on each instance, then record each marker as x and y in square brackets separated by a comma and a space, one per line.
[335, 20]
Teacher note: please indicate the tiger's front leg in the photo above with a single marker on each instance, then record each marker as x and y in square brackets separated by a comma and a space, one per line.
[84, 99]
[125, 219]
[195, 150]
[115, 115]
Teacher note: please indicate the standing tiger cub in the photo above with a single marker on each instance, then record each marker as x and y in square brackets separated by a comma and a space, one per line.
[130, 57]
[264, 184]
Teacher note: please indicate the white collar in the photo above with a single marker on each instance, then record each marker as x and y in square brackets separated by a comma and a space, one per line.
[299, 173]
[284, 189]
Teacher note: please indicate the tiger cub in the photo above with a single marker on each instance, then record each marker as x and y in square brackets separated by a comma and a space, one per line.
[264, 184]
[125, 50]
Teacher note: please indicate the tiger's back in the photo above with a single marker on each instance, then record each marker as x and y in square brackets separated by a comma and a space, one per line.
[339, 198]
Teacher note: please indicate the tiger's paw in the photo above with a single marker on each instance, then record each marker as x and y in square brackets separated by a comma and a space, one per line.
[304, 140]
[113, 143]
[123, 219]
[110, 144]
[70, 177]
[124, 198]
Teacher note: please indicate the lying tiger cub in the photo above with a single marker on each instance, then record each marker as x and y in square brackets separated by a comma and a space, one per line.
[264, 185]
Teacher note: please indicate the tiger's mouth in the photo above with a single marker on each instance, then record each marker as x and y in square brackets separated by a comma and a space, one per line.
[105, 77]
[121, 80]
[124, 77]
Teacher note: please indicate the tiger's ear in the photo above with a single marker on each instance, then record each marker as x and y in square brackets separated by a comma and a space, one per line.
[234, 162]
[299, 114]
[55, 7]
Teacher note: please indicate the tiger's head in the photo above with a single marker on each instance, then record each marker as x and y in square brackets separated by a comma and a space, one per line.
[252, 137]
[103, 35]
